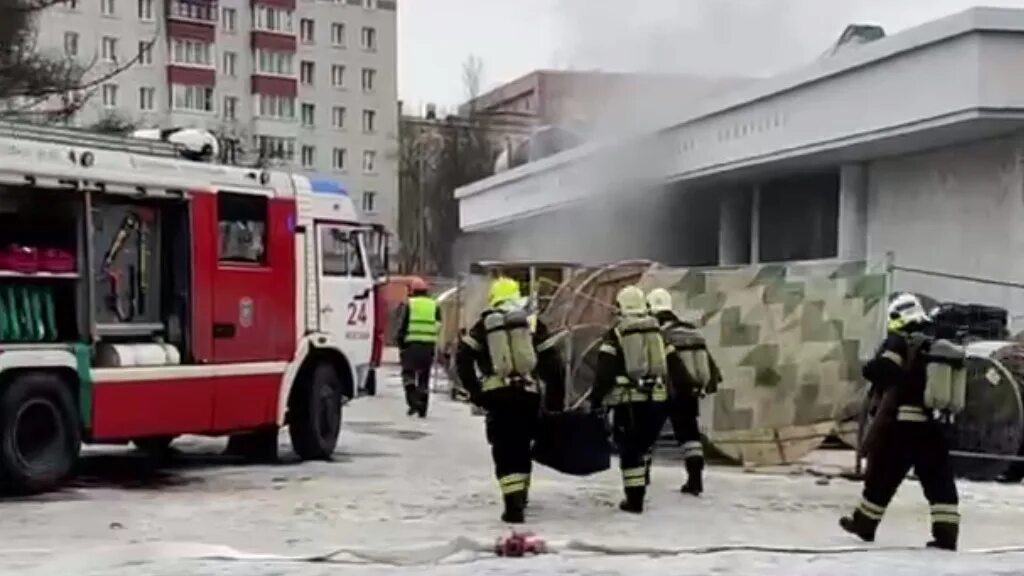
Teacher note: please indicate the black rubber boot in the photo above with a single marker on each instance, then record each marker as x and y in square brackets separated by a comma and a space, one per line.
[410, 399]
[424, 403]
[514, 507]
[634, 501]
[944, 536]
[859, 525]
[694, 477]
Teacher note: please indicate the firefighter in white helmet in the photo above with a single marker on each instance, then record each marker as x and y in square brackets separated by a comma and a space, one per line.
[634, 367]
[904, 432]
[701, 378]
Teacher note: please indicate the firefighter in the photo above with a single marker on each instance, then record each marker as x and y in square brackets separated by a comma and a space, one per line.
[521, 368]
[702, 377]
[633, 369]
[903, 434]
[417, 340]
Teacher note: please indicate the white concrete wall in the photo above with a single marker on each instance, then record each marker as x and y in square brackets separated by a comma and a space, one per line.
[958, 210]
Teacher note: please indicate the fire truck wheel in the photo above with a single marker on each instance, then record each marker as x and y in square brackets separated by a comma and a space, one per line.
[315, 410]
[40, 437]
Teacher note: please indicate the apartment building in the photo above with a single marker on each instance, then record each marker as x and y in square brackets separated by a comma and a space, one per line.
[311, 83]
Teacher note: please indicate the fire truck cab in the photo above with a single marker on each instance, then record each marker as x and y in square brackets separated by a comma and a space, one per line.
[144, 296]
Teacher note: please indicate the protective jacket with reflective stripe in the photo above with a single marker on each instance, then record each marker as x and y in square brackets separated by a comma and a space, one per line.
[473, 355]
[612, 386]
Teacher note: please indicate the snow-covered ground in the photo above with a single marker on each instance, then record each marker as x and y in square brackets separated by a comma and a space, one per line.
[417, 496]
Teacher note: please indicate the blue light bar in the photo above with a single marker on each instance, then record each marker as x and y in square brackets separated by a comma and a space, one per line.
[325, 185]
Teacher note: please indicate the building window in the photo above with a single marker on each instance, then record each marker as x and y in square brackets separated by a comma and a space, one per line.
[271, 19]
[276, 147]
[70, 4]
[338, 115]
[369, 202]
[369, 79]
[274, 106]
[109, 49]
[242, 220]
[370, 4]
[272, 62]
[369, 121]
[338, 76]
[191, 53]
[229, 19]
[145, 53]
[147, 98]
[338, 34]
[369, 39]
[145, 10]
[230, 63]
[110, 95]
[308, 114]
[340, 155]
[107, 7]
[307, 30]
[192, 98]
[71, 44]
[230, 107]
[308, 156]
[307, 71]
[192, 10]
[370, 161]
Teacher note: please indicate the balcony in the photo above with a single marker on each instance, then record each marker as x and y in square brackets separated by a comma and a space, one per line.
[198, 11]
[276, 41]
[282, 4]
[274, 85]
[192, 19]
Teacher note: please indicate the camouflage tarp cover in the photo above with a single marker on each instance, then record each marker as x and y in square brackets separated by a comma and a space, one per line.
[789, 339]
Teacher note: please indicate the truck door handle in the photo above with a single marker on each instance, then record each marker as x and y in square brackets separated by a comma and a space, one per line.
[327, 309]
[362, 296]
[223, 331]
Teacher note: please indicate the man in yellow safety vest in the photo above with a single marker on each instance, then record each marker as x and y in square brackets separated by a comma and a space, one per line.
[417, 340]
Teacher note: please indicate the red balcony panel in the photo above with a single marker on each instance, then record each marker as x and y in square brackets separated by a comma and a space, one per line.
[274, 85]
[283, 4]
[273, 41]
[192, 30]
[191, 76]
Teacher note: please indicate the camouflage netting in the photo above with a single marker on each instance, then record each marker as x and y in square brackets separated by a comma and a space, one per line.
[789, 339]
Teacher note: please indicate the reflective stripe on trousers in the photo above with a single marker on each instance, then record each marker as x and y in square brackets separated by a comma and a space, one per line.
[512, 483]
[910, 413]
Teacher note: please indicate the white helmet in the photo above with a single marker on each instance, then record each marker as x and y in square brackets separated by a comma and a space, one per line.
[630, 301]
[906, 309]
[659, 300]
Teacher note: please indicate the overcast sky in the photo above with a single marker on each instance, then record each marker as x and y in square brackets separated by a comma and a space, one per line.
[725, 37]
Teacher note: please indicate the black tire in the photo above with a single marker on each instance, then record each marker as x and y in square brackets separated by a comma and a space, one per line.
[155, 446]
[257, 447]
[370, 389]
[40, 434]
[315, 413]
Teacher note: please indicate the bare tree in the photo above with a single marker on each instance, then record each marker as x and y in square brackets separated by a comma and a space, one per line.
[472, 78]
[435, 158]
[42, 86]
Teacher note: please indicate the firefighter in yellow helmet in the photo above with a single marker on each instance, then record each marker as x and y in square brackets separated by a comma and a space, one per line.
[634, 368]
[701, 377]
[521, 368]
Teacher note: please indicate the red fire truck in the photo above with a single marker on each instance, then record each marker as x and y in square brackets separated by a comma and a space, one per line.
[144, 296]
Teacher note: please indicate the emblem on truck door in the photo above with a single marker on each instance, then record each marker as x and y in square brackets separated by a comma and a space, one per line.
[246, 309]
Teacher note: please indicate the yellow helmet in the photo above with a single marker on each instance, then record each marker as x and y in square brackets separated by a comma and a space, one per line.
[630, 301]
[659, 300]
[503, 289]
